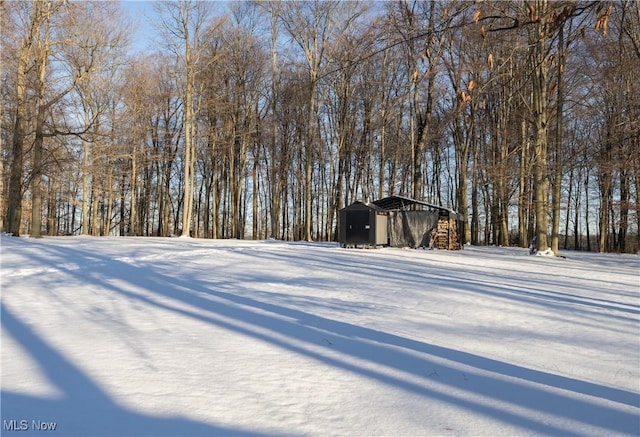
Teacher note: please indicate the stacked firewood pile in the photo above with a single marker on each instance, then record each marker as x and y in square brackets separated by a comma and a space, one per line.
[447, 234]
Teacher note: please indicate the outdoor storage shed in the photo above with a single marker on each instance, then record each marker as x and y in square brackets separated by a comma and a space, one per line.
[400, 222]
[363, 224]
[413, 223]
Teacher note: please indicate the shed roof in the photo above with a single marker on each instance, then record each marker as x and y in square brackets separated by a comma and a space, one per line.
[364, 205]
[392, 203]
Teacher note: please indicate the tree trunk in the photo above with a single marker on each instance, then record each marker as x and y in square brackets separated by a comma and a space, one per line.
[187, 201]
[38, 144]
[539, 80]
[568, 214]
[523, 192]
[274, 183]
[36, 174]
[189, 122]
[254, 200]
[624, 209]
[586, 210]
[605, 200]
[576, 214]
[503, 188]
[52, 224]
[14, 201]
[308, 158]
[557, 185]
[85, 178]
[469, 143]
[95, 200]
[107, 225]
[475, 210]
[133, 206]
[423, 122]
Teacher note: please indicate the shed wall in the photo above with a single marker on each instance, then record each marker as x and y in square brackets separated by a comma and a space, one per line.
[411, 228]
[362, 225]
[382, 237]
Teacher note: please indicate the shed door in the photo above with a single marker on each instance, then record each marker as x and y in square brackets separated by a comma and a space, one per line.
[358, 227]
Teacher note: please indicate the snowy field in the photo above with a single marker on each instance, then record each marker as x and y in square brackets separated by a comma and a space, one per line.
[183, 337]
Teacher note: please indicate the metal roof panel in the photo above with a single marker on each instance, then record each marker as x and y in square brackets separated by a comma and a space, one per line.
[400, 202]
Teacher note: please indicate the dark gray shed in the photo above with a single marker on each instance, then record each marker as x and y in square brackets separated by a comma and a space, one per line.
[363, 224]
[408, 223]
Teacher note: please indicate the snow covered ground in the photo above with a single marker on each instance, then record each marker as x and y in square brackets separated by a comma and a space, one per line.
[179, 337]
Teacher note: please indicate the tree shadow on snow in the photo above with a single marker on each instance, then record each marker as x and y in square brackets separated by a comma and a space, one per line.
[84, 409]
[491, 382]
[496, 380]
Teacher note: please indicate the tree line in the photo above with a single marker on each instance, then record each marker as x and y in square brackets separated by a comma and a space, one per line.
[264, 119]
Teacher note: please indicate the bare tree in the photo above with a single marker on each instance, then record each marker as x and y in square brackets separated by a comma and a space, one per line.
[31, 23]
[312, 25]
[54, 29]
[186, 26]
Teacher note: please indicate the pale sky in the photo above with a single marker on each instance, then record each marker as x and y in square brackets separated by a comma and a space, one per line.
[141, 13]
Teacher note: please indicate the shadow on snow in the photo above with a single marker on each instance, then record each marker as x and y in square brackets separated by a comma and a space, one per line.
[84, 409]
[305, 333]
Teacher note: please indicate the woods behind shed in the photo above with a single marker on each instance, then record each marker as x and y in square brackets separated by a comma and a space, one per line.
[399, 222]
